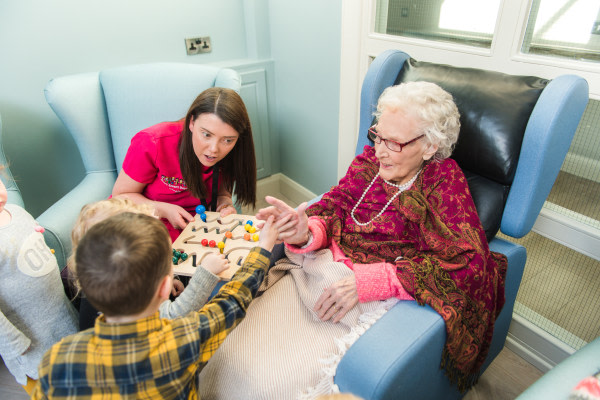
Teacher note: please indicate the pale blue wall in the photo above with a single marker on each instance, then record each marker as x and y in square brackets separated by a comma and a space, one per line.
[306, 47]
[42, 39]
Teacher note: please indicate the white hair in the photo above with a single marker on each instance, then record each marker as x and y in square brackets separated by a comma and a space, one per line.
[432, 106]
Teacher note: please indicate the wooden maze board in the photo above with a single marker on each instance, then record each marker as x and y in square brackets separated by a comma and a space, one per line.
[236, 248]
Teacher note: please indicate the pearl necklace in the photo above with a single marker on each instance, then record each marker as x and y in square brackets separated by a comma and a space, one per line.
[401, 188]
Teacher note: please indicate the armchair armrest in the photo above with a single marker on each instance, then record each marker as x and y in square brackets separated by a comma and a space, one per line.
[59, 219]
[560, 381]
[388, 359]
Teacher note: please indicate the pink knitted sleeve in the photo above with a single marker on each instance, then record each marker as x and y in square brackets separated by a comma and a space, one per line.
[319, 237]
[378, 281]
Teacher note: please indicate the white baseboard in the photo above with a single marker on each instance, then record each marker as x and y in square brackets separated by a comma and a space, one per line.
[279, 183]
[268, 185]
[535, 345]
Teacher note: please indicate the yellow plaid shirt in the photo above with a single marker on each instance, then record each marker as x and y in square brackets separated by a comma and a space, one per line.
[151, 358]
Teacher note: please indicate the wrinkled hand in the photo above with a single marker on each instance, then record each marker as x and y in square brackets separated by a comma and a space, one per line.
[177, 287]
[175, 214]
[337, 300]
[215, 263]
[293, 232]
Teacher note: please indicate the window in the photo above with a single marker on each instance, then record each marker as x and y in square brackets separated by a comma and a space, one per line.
[470, 22]
[564, 28]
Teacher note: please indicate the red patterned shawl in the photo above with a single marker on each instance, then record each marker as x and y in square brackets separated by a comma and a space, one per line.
[446, 259]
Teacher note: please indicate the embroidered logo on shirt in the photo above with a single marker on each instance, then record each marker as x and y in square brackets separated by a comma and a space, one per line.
[35, 258]
[174, 184]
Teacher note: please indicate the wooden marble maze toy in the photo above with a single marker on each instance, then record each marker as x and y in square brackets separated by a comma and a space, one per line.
[233, 236]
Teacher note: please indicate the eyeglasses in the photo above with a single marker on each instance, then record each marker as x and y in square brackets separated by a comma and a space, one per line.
[390, 144]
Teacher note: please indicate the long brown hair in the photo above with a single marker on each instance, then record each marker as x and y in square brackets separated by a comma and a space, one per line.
[239, 166]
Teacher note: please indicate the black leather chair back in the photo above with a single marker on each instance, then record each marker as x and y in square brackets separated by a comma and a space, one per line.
[494, 111]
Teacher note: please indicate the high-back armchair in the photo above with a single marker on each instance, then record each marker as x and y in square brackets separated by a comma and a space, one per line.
[103, 110]
[515, 133]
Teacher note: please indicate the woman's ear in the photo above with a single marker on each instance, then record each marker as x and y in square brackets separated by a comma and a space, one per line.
[430, 151]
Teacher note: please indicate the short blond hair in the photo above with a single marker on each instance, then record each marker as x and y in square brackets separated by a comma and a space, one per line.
[93, 213]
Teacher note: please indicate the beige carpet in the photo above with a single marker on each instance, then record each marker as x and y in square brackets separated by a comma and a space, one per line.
[577, 194]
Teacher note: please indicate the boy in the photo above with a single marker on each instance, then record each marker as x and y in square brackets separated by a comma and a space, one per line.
[124, 267]
[193, 298]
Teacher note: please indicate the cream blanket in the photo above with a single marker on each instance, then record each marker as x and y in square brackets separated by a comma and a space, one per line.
[281, 350]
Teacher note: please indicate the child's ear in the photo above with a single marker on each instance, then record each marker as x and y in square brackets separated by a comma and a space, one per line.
[164, 288]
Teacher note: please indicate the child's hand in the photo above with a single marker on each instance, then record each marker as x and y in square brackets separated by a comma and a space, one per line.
[177, 287]
[270, 230]
[296, 230]
[215, 263]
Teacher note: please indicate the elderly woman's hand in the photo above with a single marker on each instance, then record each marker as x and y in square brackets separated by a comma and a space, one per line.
[337, 300]
[293, 232]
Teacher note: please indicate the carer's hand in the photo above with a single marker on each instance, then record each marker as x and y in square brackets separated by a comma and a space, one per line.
[176, 215]
[337, 300]
[227, 210]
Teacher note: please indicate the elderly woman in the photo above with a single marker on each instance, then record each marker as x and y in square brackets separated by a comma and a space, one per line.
[400, 226]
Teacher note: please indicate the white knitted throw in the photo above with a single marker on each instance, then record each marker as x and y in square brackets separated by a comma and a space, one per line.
[282, 350]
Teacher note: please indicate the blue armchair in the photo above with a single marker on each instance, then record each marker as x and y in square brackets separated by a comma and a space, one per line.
[515, 133]
[559, 382]
[14, 195]
[103, 110]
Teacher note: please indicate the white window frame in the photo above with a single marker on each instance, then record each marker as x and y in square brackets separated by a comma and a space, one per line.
[504, 56]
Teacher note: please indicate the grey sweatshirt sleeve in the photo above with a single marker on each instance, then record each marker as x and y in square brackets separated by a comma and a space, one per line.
[14, 342]
[193, 297]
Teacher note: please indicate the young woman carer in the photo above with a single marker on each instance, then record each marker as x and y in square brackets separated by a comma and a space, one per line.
[178, 165]
[400, 226]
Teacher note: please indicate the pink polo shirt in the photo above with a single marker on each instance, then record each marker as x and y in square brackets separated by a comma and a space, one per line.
[153, 159]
